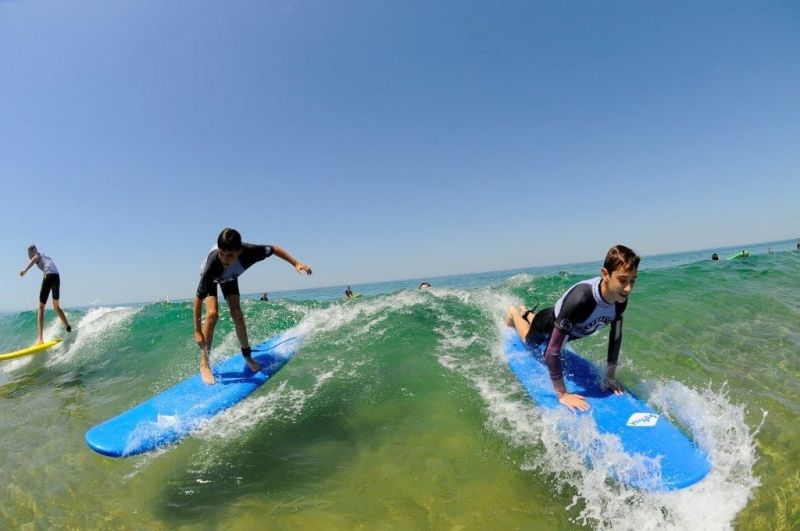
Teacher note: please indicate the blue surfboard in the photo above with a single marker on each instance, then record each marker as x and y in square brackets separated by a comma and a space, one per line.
[662, 457]
[171, 415]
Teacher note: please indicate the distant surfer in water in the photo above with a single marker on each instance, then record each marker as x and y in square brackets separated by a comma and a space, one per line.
[51, 282]
[424, 285]
[348, 293]
[229, 259]
[581, 311]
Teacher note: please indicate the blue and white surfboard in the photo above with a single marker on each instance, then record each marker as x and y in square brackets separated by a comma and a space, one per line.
[171, 415]
[665, 458]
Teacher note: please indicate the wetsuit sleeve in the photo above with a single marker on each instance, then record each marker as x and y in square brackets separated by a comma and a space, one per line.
[614, 341]
[553, 354]
[211, 270]
[578, 305]
[254, 253]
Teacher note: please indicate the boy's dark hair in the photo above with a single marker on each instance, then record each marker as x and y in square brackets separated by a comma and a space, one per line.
[229, 240]
[32, 247]
[621, 257]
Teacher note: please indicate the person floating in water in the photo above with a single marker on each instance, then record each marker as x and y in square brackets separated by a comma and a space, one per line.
[715, 256]
[51, 282]
[265, 297]
[424, 285]
[223, 265]
[581, 311]
[348, 293]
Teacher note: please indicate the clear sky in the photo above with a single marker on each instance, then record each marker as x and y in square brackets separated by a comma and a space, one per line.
[386, 140]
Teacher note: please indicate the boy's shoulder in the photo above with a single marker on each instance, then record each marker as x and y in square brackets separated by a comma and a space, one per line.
[587, 285]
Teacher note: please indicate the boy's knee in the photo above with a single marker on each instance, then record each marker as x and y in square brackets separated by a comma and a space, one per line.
[212, 316]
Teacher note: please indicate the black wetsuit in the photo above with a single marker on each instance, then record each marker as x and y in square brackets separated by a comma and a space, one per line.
[51, 281]
[580, 312]
[214, 272]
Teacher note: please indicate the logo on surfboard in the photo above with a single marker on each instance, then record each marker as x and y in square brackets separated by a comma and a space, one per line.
[642, 420]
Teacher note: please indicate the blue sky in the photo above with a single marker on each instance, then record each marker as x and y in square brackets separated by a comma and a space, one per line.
[386, 140]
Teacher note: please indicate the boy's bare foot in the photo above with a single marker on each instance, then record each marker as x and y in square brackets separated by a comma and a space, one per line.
[252, 364]
[40, 341]
[207, 375]
[509, 318]
[510, 314]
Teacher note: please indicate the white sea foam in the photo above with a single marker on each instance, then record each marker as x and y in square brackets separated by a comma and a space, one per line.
[92, 332]
[284, 402]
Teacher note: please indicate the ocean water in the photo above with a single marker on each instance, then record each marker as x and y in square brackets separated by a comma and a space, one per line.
[399, 412]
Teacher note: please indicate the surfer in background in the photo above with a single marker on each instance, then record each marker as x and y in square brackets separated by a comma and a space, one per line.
[581, 311]
[265, 297]
[50, 282]
[424, 285]
[229, 259]
[348, 293]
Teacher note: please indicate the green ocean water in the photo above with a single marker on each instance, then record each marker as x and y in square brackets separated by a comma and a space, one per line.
[399, 412]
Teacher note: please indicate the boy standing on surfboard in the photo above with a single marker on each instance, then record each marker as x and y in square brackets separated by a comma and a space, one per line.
[50, 282]
[229, 259]
[581, 311]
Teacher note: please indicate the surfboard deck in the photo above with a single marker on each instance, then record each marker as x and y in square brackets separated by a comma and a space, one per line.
[34, 349]
[172, 415]
[664, 458]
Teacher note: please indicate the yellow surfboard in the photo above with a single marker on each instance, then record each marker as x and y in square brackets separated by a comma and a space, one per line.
[30, 350]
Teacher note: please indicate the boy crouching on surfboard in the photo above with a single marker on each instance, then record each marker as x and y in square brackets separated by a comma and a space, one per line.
[229, 259]
[581, 311]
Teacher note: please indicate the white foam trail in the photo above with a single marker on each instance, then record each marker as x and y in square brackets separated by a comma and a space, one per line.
[284, 402]
[52, 329]
[369, 313]
[91, 332]
[14, 364]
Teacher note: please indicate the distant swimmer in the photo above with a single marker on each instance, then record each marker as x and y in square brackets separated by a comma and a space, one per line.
[265, 297]
[51, 282]
[424, 285]
[348, 293]
[223, 265]
[581, 311]
[715, 256]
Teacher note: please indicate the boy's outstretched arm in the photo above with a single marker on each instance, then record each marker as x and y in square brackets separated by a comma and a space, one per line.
[299, 266]
[30, 264]
[553, 359]
[199, 338]
[614, 344]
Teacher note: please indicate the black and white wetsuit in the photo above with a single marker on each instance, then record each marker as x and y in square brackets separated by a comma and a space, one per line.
[581, 311]
[213, 272]
[51, 282]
